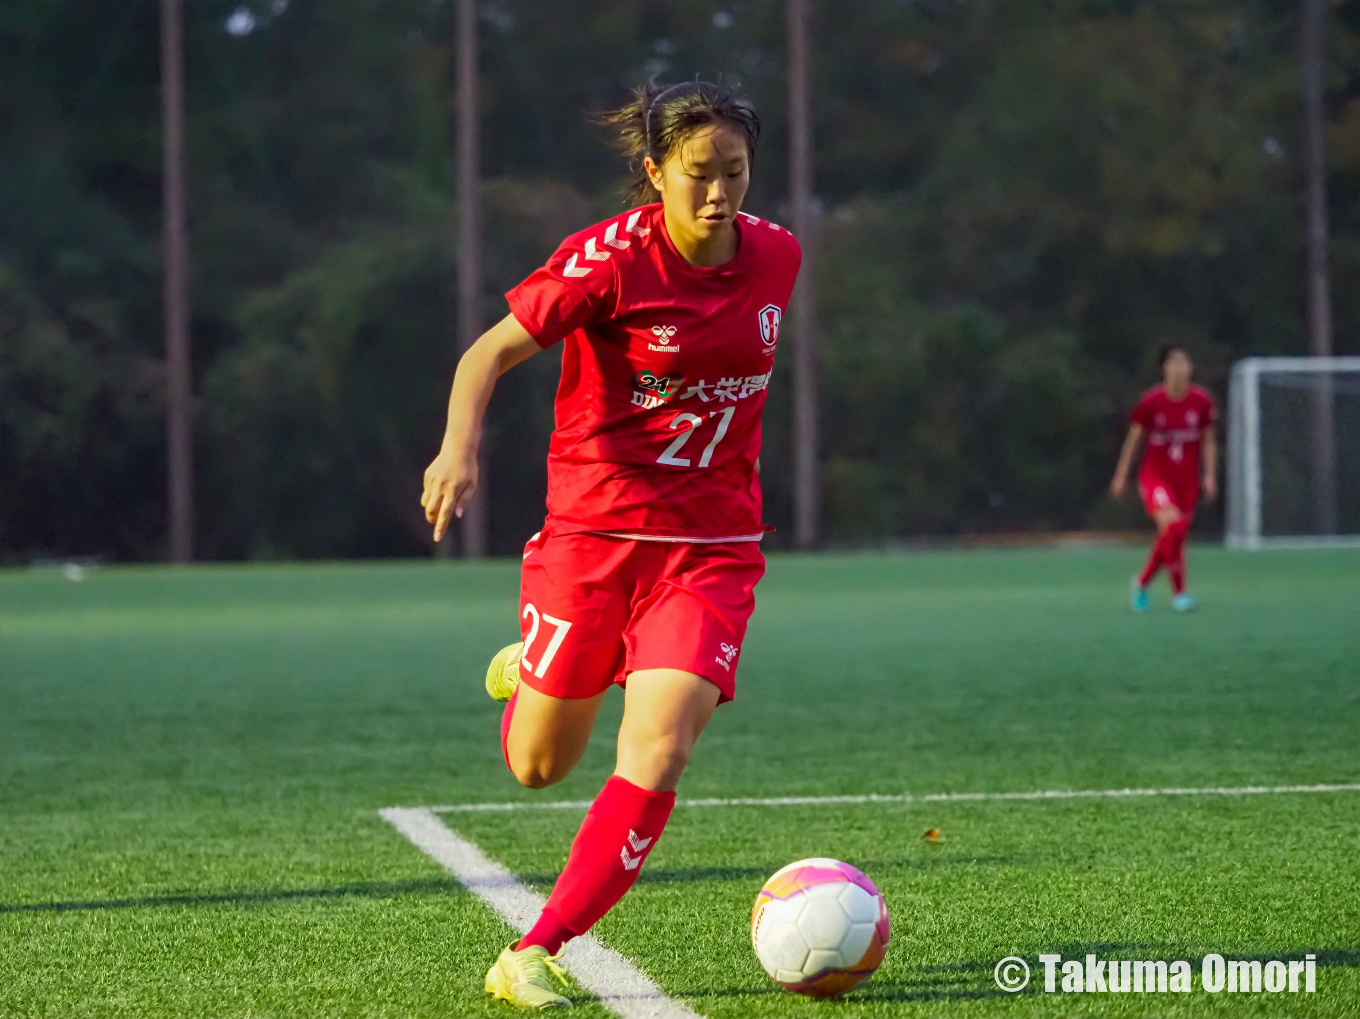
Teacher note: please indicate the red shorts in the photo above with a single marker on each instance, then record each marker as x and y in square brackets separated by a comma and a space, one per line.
[595, 608]
[1159, 493]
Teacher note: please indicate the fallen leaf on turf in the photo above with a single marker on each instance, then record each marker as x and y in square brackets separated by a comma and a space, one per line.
[931, 835]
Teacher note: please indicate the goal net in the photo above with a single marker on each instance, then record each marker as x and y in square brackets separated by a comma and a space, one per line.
[1294, 452]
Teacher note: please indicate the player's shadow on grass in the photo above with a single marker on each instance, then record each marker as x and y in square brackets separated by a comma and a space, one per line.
[875, 990]
[668, 875]
[365, 890]
[678, 875]
[938, 857]
[967, 981]
[970, 980]
[681, 875]
[951, 981]
[1331, 957]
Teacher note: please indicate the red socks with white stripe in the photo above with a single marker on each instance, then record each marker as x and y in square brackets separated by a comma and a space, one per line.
[619, 831]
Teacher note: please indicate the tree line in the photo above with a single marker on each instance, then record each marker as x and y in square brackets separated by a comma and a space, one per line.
[1019, 203]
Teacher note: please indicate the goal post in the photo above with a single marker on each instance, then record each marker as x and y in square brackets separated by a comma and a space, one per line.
[1293, 453]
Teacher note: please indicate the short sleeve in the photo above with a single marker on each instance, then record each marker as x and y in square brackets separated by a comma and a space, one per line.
[570, 291]
[1210, 409]
[1142, 412]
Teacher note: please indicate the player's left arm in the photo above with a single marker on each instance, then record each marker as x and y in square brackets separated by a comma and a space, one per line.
[1210, 479]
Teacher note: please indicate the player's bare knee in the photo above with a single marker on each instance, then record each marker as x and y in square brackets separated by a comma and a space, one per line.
[674, 754]
[537, 771]
[535, 777]
[661, 758]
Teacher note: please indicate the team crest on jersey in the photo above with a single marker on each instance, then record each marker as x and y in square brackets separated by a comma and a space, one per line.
[663, 343]
[769, 324]
[652, 390]
[1191, 418]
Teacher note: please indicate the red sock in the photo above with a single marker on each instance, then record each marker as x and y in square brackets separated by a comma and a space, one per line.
[1154, 562]
[1175, 554]
[549, 931]
[506, 715]
[619, 831]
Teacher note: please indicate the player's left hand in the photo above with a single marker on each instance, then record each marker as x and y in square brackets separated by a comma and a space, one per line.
[1210, 487]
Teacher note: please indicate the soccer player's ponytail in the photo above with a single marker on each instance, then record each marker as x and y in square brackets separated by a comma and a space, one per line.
[658, 121]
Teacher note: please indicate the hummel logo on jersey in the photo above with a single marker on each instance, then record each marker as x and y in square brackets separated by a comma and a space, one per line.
[632, 227]
[662, 334]
[571, 268]
[637, 845]
[611, 233]
[769, 324]
[611, 238]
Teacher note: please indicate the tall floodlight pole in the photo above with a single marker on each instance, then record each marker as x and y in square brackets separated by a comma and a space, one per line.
[1319, 288]
[476, 519]
[178, 387]
[806, 483]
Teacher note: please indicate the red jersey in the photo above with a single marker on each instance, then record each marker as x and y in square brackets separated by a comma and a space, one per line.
[1174, 429]
[664, 371]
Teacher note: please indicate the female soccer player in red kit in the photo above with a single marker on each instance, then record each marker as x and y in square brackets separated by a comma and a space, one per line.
[1177, 418]
[644, 572]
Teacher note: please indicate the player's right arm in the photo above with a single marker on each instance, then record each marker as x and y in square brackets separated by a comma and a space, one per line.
[1126, 455]
[451, 478]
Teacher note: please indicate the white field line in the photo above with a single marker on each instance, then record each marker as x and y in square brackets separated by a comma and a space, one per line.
[1044, 794]
[621, 987]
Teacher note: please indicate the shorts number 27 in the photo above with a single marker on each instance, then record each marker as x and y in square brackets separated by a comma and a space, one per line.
[559, 634]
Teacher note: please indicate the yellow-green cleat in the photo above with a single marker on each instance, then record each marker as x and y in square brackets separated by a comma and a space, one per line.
[502, 675]
[525, 979]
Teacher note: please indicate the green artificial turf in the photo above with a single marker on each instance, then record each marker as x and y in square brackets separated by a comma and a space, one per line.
[191, 762]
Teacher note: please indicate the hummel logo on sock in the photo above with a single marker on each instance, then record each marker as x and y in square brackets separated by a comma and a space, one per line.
[638, 845]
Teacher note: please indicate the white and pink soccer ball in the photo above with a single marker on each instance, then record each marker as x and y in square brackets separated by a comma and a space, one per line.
[819, 927]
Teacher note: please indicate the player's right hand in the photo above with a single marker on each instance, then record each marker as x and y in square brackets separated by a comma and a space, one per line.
[450, 481]
[1210, 487]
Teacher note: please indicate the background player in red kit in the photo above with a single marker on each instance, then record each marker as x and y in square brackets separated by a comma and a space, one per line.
[645, 569]
[1177, 418]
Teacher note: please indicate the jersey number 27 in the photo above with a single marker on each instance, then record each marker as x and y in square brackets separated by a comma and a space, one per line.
[690, 423]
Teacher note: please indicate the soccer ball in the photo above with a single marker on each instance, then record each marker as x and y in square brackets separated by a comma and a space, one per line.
[819, 927]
